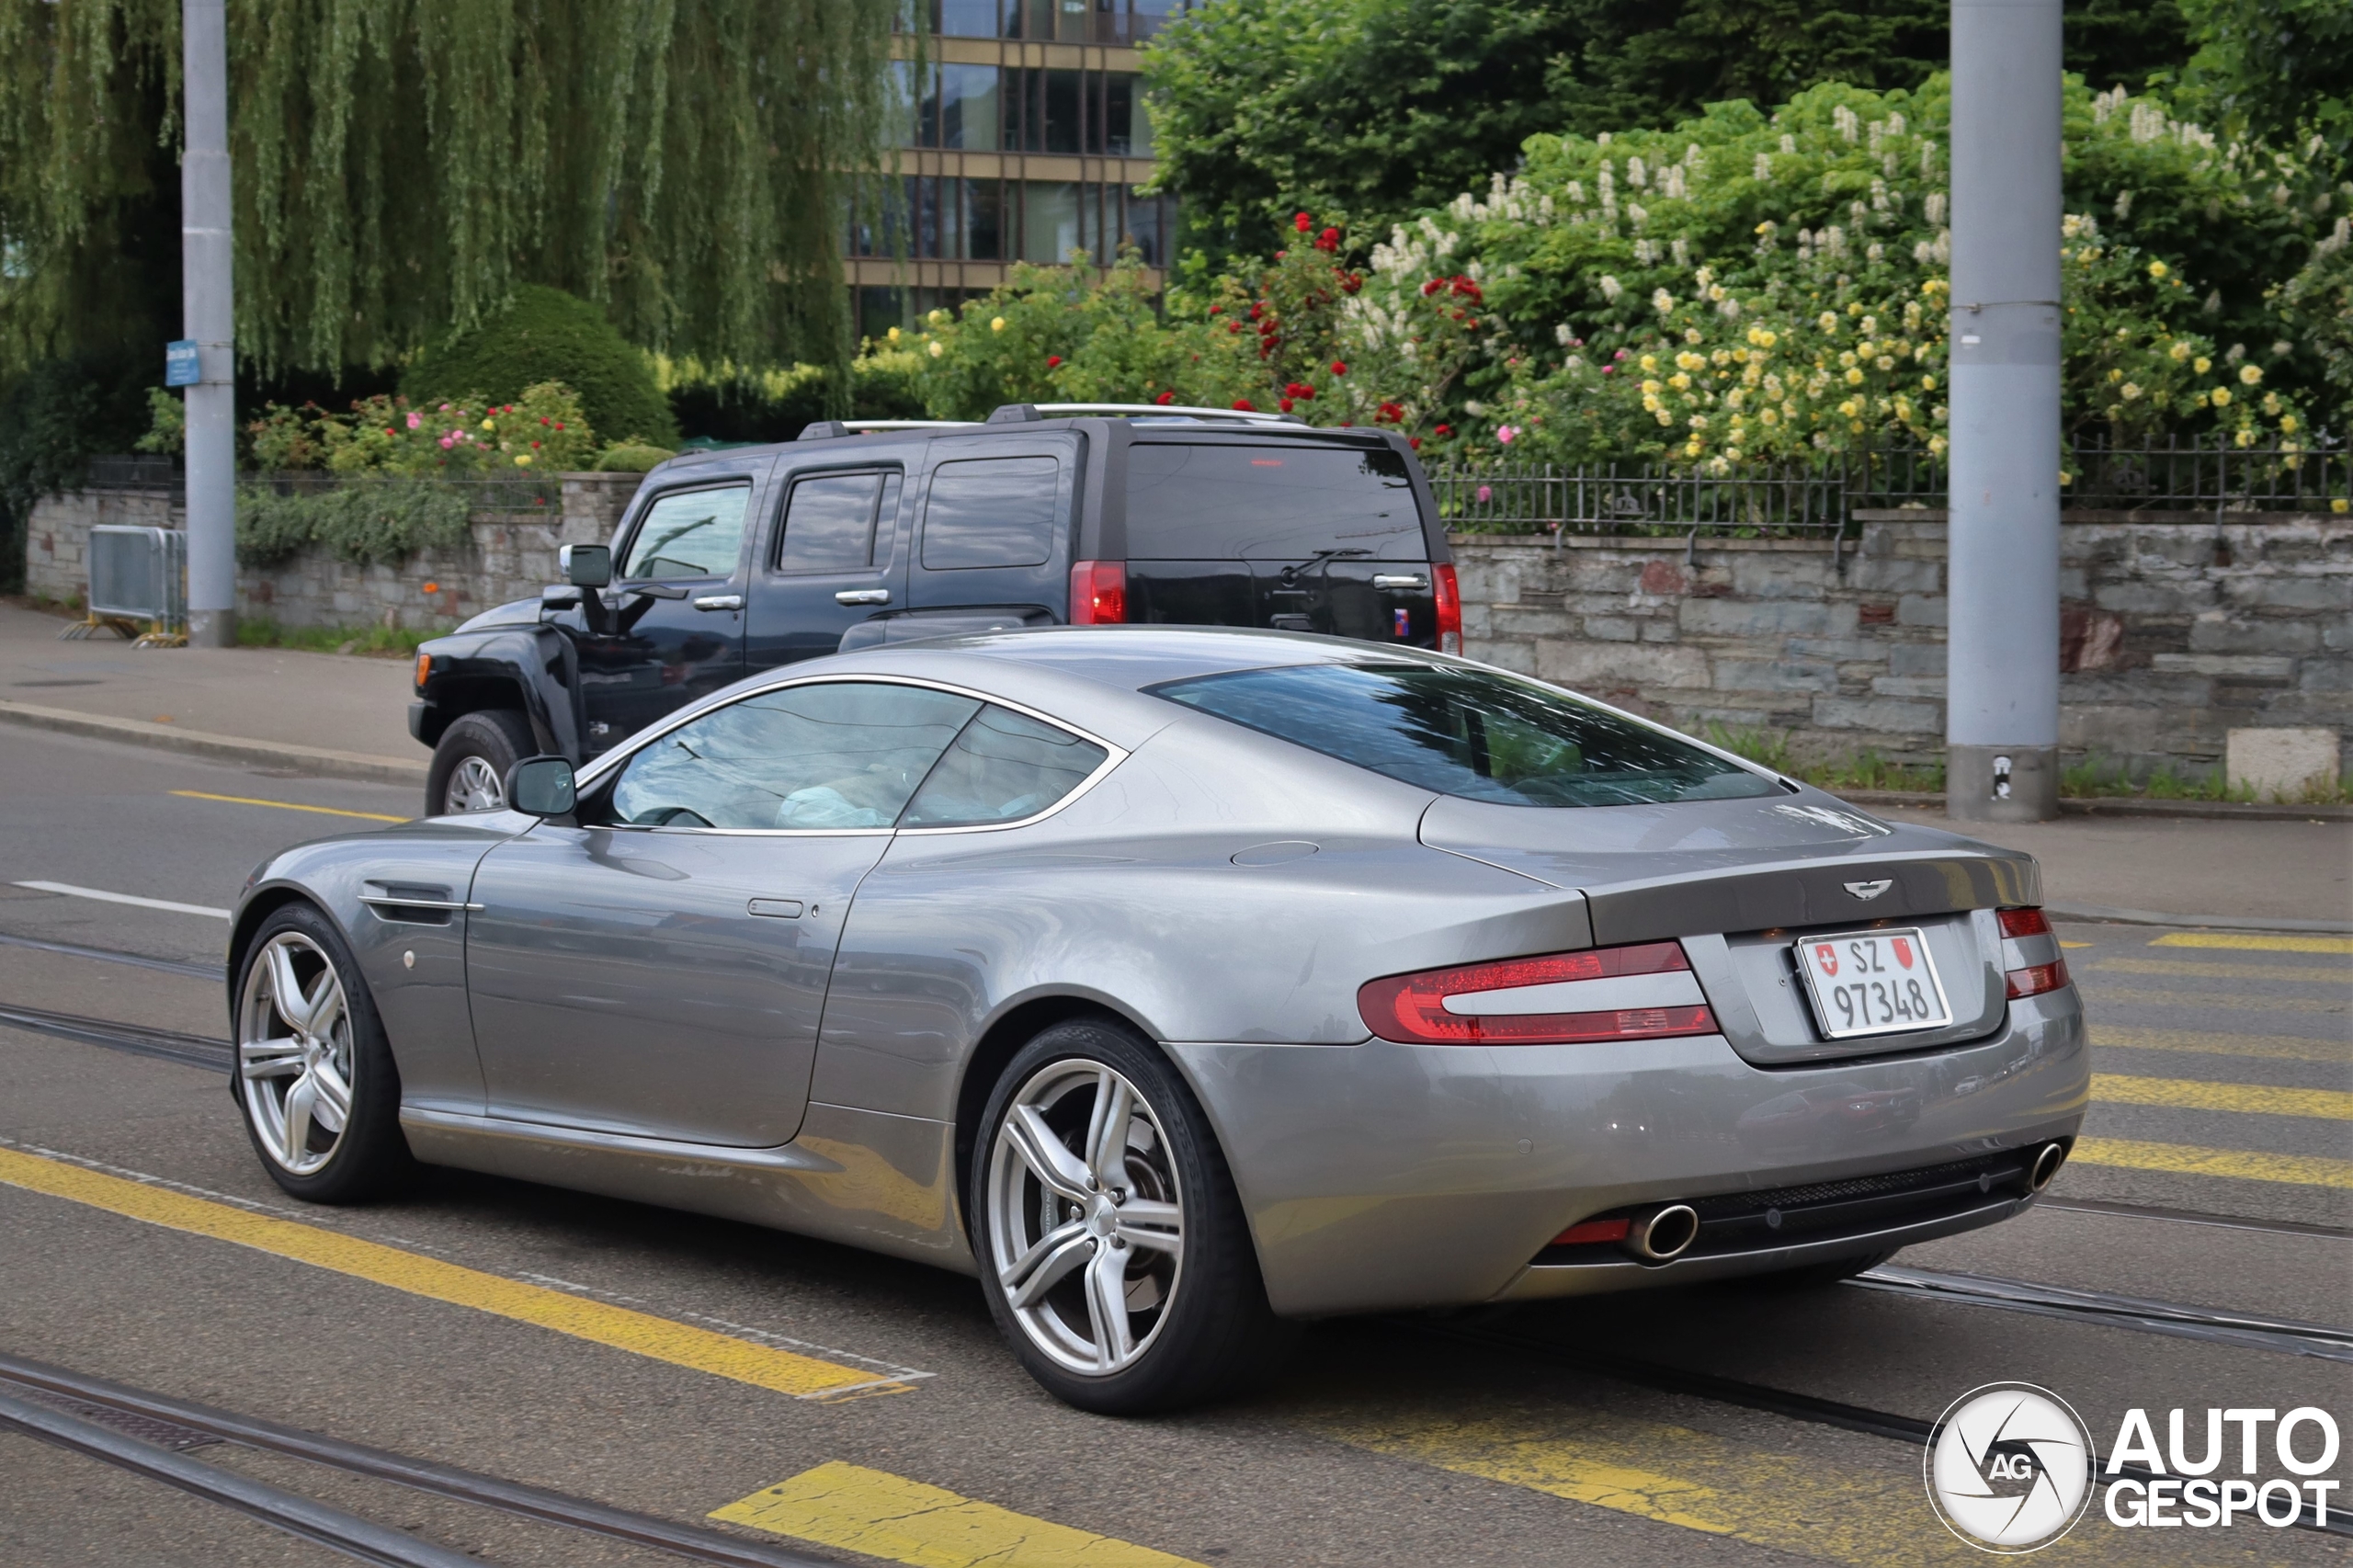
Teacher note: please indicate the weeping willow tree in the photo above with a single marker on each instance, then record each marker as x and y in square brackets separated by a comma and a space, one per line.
[402, 165]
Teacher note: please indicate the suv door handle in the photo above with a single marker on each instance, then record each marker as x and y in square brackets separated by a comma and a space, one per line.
[1400, 580]
[863, 596]
[719, 601]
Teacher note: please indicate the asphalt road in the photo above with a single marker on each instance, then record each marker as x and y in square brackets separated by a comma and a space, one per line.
[140, 1241]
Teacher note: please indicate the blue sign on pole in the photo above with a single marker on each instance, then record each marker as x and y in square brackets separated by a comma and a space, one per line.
[181, 366]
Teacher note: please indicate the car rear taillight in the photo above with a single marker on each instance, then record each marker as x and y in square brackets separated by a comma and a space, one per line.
[2035, 978]
[2023, 922]
[1449, 608]
[1098, 593]
[1643, 992]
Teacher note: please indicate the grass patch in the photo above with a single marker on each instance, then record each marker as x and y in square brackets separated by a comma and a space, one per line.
[2101, 777]
[374, 642]
[1865, 769]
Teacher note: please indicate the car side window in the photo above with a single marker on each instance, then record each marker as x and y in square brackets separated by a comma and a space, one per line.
[1005, 767]
[991, 512]
[838, 754]
[689, 533]
[831, 522]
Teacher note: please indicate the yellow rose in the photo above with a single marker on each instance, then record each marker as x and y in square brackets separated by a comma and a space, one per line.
[1649, 361]
[2288, 424]
[1928, 383]
[2222, 397]
[522, 460]
[1854, 377]
[2340, 505]
[937, 349]
[997, 323]
[2202, 364]
[892, 334]
[2066, 478]
[490, 425]
[1827, 321]
[2178, 351]
[2249, 375]
[2158, 269]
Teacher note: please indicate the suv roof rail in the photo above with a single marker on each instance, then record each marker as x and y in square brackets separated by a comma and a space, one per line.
[832, 429]
[1022, 412]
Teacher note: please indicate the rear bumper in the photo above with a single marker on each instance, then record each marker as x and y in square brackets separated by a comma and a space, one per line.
[1379, 1177]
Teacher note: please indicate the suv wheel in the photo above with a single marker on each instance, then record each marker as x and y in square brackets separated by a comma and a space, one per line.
[1113, 1249]
[469, 766]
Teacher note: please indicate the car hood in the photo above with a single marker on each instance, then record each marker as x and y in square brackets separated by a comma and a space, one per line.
[516, 612]
[1742, 864]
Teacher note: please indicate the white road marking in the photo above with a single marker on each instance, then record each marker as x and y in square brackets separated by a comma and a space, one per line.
[105, 897]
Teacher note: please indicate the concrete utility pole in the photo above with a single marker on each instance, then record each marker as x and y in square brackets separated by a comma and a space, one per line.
[210, 305]
[2002, 653]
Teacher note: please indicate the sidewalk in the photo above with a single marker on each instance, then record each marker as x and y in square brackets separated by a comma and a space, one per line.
[279, 704]
[348, 717]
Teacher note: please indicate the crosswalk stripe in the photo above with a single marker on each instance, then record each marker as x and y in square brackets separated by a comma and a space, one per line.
[2270, 1047]
[2300, 974]
[2229, 1000]
[2185, 1159]
[2255, 944]
[899, 1520]
[640, 1334]
[1873, 1514]
[2194, 1094]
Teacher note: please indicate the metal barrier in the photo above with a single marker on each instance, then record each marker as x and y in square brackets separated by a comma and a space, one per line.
[136, 575]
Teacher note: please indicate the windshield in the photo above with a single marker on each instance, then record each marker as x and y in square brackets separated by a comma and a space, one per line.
[1268, 501]
[1481, 734]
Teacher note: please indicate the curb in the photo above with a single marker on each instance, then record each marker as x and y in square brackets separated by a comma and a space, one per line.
[2125, 806]
[316, 761]
[2101, 912]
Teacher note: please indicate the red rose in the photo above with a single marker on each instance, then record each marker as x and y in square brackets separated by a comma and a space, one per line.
[1217, 310]
[1284, 403]
[1166, 398]
[1328, 240]
[1339, 367]
[1444, 430]
[1302, 223]
[1414, 442]
[1052, 360]
[543, 418]
[1243, 405]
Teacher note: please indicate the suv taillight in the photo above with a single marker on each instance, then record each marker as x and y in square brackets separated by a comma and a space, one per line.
[1098, 593]
[1643, 992]
[1450, 608]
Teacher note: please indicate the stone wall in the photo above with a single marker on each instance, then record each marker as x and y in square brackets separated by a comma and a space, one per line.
[513, 556]
[2172, 633]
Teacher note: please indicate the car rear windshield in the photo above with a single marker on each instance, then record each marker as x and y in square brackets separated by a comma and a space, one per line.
[1268, 501]
[1480, 734]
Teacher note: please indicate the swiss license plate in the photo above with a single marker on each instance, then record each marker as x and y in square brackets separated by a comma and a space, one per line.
[1866, 982]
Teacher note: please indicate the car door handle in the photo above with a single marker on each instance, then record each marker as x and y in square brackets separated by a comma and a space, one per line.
[776, 908]
[1400, 580]
[863, 596]
[719, 601]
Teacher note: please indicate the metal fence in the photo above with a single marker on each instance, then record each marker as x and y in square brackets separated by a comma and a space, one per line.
[2194, 480]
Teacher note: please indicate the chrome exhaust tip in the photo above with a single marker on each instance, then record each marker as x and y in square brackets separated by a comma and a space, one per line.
[1663, 1235]
[2046, 1165]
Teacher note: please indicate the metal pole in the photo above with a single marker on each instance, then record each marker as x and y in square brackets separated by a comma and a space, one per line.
[209, 307]
[2002, 708]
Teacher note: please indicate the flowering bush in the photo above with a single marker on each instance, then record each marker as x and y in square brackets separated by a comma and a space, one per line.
[543, 431]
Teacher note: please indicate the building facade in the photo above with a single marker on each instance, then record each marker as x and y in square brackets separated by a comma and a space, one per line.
[1025, 140]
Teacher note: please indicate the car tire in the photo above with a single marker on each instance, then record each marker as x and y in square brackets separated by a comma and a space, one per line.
[1814, 1276]
[1152, 1299]
[469, 764]
[314, 1077]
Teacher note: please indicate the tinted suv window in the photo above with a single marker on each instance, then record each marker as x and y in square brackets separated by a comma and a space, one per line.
[1268, 501]
[1482, 736]
[991, 512]
[689, 533]
[842, 755]
[1003, 767]
[829, 521]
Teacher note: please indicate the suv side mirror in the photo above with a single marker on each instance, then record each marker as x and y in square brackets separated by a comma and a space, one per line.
[586, 565]
[542, 786]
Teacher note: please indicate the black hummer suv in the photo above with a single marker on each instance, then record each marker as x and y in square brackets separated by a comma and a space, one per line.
[738, 561]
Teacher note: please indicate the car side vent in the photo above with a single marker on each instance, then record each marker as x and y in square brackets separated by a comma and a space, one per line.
[1015, 413]
[411, 904]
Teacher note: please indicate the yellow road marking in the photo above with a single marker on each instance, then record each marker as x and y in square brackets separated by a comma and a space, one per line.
[2191, 1094]
[2075, 944]
[1871, 1514]
[2273, 1047]
[2184, 1159]
[2305, 974]
[640, 1334]
[2255, 944]
[2229, 999]
[288, 806]
[886, 1516]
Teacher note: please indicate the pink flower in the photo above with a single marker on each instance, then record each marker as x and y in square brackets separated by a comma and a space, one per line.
[1506, 433]
[447, 442]
[415, 419]
[1486, 493]
[1610, 369]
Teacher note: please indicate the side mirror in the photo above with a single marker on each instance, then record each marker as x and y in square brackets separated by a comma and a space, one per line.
[542, 786]
[586, 565]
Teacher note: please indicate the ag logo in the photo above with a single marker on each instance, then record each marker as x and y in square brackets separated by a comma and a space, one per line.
[2009, 1468]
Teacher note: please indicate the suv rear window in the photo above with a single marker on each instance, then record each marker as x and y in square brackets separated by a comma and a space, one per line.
[1480, 734]
[1266, 501]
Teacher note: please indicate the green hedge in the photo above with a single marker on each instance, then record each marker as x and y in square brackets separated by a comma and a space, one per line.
[549, 335]
[375, 523]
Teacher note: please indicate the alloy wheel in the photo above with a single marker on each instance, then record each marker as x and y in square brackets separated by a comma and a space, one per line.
[1086, 1228]
[474, 785]
[294, 1052]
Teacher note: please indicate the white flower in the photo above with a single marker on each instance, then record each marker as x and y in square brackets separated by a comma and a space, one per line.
[1662, 301]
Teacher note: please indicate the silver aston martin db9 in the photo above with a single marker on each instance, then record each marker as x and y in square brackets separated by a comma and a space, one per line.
[1181, 984]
